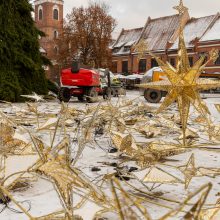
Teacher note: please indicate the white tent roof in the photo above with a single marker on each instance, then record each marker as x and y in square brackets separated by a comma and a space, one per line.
[149, 73]
[134, 76]
[120, 76]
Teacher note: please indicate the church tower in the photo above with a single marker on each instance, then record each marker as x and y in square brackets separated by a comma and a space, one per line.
[49, 19]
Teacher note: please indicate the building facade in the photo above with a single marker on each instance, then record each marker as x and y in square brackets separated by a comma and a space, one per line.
[161, 37]
[122, 48]
[49, 19]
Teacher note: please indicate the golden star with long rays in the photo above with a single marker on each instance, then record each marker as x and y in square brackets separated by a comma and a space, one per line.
[55, 165]
[183, 84]
[189, 170]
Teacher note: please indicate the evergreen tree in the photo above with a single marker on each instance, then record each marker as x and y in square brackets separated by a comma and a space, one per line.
[21, 63]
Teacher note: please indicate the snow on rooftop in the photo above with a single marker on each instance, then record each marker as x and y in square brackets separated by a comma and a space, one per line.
[122, 51]
[128, 36]
[119, 44]
[195, 28]
[213, 33]
[130, 43]
[159, 31]
[112, 44]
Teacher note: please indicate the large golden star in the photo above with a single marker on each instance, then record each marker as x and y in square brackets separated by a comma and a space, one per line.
[55, 165]
[183, 84]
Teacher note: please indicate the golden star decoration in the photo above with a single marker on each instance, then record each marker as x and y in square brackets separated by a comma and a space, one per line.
[214, 54]
[196, 209]
[55, 165]
[183, 84]
[189, 170]
[127, 206]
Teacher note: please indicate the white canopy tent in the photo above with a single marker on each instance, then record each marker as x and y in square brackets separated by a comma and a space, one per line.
[134, 76]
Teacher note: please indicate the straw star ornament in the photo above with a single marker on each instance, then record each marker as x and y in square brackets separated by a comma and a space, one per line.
[55, 165]
[183, 84]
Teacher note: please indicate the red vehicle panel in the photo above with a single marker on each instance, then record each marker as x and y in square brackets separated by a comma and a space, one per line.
[84, 78]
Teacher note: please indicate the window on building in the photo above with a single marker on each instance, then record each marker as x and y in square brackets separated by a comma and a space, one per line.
[55, 34]
[191, 61]
[173, 62]
[116, 50]
[217, 62]
[40, 14]
[126, 49]
[153, 63]
[55, 14]
[114, 66]
[125, 66]
[142, 66]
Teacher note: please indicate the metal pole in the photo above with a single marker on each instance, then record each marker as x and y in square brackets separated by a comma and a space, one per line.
[108, 91]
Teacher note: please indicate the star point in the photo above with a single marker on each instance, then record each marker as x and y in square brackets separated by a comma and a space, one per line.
[181, 8]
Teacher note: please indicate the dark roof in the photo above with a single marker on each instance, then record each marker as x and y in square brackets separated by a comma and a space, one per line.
[159, 31]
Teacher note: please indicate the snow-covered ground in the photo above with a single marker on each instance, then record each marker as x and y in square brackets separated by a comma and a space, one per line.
[42, 199]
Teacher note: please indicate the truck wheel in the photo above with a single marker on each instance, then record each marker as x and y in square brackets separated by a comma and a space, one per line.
[64, 94]
[153, 96]
[93, 95]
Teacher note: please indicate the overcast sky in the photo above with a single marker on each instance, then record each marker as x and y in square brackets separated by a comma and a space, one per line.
[134, 13]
